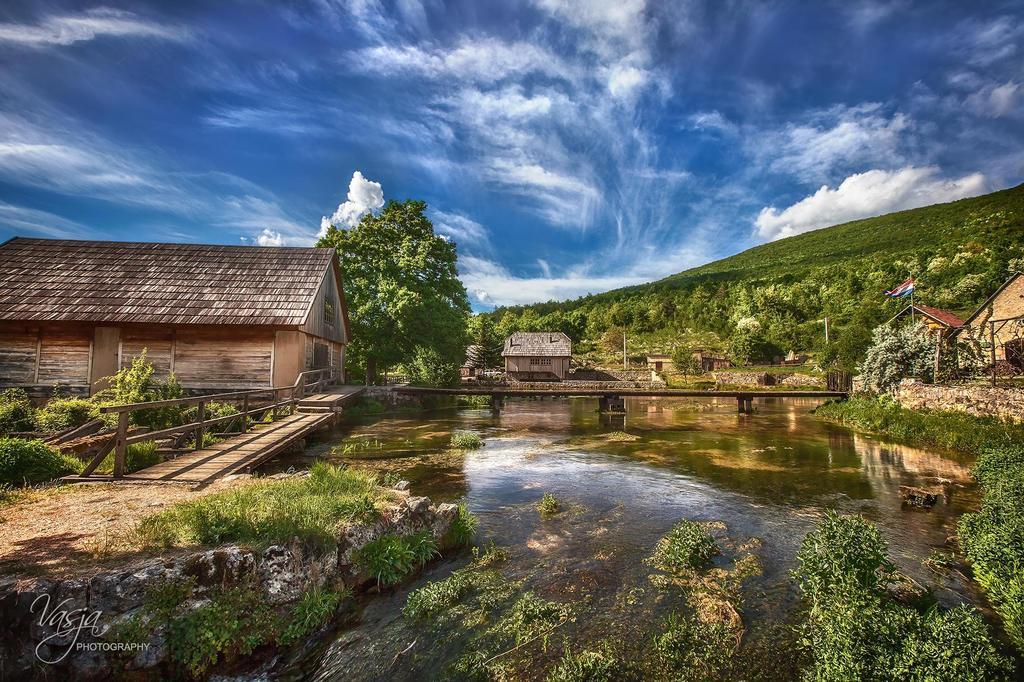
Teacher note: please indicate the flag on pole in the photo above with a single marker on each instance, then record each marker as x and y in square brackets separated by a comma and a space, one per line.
[903, 290]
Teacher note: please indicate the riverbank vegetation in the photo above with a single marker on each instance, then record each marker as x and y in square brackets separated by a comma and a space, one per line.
[466, 440]
[27, 462]
[856, 629]
[959, 431]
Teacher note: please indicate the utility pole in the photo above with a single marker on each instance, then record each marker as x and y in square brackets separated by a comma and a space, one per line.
[826, 327]
[624, 365]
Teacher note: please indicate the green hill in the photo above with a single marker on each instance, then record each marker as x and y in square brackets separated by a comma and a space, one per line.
[769, 299]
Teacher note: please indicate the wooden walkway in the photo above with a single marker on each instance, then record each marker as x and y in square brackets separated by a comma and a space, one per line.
[236, 454]
[243, 452]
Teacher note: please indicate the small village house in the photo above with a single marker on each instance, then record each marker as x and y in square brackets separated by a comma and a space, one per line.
[537, 356]
[659, 362]
[938, 321]
[217, 317]
[997, 326]
[711, 361]
[794, 359]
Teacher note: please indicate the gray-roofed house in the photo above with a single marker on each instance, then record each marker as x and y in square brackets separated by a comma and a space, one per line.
[537, 356]
[218, 317]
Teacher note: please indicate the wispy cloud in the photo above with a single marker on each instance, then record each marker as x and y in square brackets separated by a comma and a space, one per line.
[23, 220]
[67, 29]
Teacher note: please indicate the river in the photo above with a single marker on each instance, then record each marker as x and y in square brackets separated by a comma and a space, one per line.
[622, 482]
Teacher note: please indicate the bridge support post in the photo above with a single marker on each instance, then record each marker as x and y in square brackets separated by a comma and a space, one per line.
[744, 404]
[497, 403]
[611, 403]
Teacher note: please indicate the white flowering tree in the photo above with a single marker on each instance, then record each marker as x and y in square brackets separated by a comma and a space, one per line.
[897, 353]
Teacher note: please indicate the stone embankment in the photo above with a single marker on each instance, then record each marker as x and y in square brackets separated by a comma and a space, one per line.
[978, 400]
[63, 628]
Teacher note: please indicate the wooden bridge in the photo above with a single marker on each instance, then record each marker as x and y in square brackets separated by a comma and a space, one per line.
[613, 399]
[283, 416]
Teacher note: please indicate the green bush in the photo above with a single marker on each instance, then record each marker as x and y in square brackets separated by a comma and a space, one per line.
[213, 410]
[314, 609]
[15, 411]
[24, 462]
[59, 414]
[694, 649]
[137, 456]
[264, 513]
[993, 537]
[135, 384]
[428, 368]
[897, 353]
[855, 630]
[687, 546]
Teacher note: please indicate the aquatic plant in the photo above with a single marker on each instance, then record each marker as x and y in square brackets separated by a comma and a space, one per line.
[491, 554]
[265, 513]
[687, 546]
[854, 629]
[24, 462]
[431, 599]
[694, 649]
[463, 527]
[548, 505]
[532, 617]
[590, 665]
[466, 440]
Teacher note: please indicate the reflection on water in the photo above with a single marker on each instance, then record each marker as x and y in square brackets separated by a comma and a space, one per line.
[768, 475]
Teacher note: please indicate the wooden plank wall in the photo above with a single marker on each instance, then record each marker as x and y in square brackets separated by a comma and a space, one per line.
[315, 323]
[159, 349]
[64, 358]
[240, 360]
[18, 358]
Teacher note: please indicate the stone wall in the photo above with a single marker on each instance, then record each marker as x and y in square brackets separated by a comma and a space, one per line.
[982, 401]
[794, 379]
[281, 572]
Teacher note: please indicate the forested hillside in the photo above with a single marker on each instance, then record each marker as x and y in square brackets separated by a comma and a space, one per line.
[770, 299]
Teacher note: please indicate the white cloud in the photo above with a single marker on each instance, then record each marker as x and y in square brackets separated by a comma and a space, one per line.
[22, 220]
[364, 196]
[490, 283]
[67, 29]
[612, 27]
[834, 139]
[559, 198]
[625, 81]
[995, 100]
[713, 121]
[872, 193]
[483, 61]
[269, 237]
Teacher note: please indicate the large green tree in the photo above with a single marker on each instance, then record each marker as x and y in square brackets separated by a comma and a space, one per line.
[402, 287]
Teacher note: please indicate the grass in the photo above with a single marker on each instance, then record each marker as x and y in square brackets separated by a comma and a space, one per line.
[591, 665]
[137, 456]
[314, 609]
[548, 505]
[463, 527]
[466, 440]
[687, 546]
[390, 558]
[951, 430]
[265, 513]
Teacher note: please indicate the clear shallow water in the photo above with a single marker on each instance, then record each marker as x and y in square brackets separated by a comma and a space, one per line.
[768, 475]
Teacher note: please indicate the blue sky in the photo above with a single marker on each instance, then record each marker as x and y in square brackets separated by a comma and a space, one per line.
[567, 147]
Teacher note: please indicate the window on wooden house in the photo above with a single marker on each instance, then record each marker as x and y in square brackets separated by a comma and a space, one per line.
[329, 312]
[540, 362]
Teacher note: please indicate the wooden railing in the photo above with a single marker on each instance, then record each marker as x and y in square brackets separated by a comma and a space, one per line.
[281, 397]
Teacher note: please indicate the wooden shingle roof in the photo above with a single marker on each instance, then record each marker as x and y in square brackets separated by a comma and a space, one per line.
[538, 344]
[89, 281]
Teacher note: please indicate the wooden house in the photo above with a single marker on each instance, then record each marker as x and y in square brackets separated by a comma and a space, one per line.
[998, 324]
[473, 367]
[939, 321]
[711, 361]
[537, 356]
[217, 317]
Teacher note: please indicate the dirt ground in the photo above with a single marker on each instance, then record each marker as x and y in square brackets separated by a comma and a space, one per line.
[69, 529]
